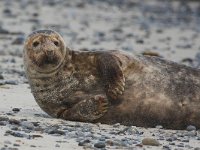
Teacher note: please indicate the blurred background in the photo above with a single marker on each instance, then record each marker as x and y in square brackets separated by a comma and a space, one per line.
[166, 28]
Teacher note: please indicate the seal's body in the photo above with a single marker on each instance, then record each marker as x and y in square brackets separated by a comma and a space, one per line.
[110, 86]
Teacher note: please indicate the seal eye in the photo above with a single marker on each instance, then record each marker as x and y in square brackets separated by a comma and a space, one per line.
[35, 44]
[56, 43]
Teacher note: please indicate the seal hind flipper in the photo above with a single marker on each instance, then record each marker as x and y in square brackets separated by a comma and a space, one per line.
[86, 110]
[110, 69]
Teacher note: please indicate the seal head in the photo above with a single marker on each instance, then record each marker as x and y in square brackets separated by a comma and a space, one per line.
[44, 51]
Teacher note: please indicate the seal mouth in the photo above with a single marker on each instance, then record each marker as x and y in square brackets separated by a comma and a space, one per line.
[47, 60]
[51, 59]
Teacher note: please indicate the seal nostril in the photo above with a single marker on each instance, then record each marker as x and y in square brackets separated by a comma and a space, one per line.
[49, 52]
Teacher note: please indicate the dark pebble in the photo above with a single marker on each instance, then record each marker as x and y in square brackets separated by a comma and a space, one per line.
[3, 31]
[84, 142]
[169, 139]
[171, 143]
[100, 145]
[15, 134]
[1, 77]
[15, 144]
[185, 140]
[11, 82]
[140, 41]
[19, 40]
[7, 11]
[166, 147]
[37, 136]
[4, 118]
[180, 145]
[27, 125]
[2, 82]
[56, 132]
[3, 123]
[14, 121]
[16, 109]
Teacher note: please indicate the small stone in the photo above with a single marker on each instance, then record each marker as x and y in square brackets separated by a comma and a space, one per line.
[37, 136]
[169, 139]
[7, 11]
[166, 147]
[56, 131]
[15, 134]
[19, 40]
[191, 133]
[16, 109]
[7, 142]
[129, 130]
[1, 77]
[2, 123]
[27, 125]
[15, 144]
[84, 142]
[140, 41]
[159, 127]
[57, 145]
[150, 141]
[3, 31]
[185, 140]
[4, 118]
[171, 143]
[180, 145]
[191, 128]
[197, 148]
[32, 146]
[11, 82]
[116, 125]
[100, 145]
[14, 121]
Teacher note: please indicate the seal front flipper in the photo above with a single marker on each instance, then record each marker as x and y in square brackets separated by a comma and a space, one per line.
[111, 72]
[86, 110]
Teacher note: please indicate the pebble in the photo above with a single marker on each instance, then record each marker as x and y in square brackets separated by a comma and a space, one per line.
[3, 31]
[166, 147]
[15, 134]
[185, 140]
[11, 82]
[191, 133]
[15, 144]
[100, 145]
[15, 110]
[129, 130]
[150, 141]
[56, 131]
[3, 123]
[158, 126]
[27, 125]
[19, 40]
[14, 121]
[84, 142]
[7, 142]
[4, 118]
[191, 128]
[1, 77]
